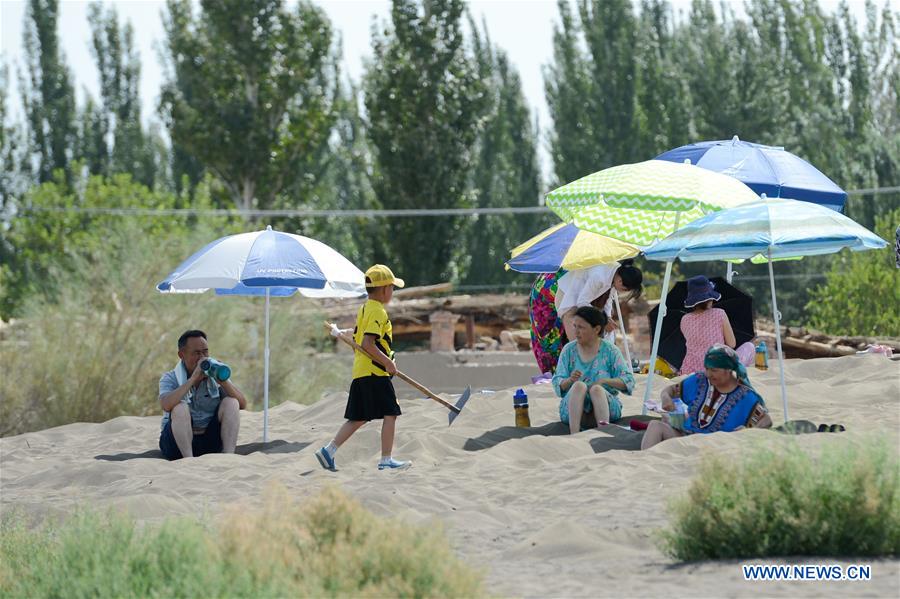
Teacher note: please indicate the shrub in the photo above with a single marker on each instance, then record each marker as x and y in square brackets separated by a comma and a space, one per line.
[862, 291]
[97, 349]
[330, 547]
[845, 502]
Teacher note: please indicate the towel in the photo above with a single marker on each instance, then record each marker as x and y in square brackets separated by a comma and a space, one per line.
[181, 375]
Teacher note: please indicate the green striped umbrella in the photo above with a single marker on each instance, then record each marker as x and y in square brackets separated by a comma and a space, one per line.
[644, 202]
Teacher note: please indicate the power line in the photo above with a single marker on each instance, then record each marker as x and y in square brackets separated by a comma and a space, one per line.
[300, 212]
[330, 213]
[873, 191]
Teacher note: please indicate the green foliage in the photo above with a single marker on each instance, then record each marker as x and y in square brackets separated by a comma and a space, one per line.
[45, 233]
[132, 150]
[506, 172]
[330, 547]
[251, 94]
[788, 75]
[591, 88]
[862, 291]
[12, 149]
[346, 184]
[47, 93]
[425, 103]
[845, 502]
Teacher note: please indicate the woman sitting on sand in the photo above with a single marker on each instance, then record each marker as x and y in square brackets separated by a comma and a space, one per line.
[590, 373]
[706, 326]
[721, 399]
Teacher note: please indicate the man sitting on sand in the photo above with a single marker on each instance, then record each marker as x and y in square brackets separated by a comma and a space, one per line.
[201, 413]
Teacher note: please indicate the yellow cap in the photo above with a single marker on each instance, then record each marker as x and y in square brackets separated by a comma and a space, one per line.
[381, 276]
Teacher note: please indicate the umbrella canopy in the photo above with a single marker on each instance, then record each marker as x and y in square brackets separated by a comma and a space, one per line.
[642, 203]
[768, 170]
[567, 246]
[771, 227]
[774, 228]
[265, 259]
[737, 305]
[267, 263]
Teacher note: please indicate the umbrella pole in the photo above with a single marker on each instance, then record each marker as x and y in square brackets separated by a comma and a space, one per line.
[266, 377]
[658, 333]
[729, 273]
[777, 316]
[622, 328]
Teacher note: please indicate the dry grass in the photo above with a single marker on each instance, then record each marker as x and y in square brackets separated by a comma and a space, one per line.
[330, 547]
[98, 351]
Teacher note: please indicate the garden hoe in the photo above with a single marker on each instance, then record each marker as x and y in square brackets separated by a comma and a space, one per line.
[454, 409]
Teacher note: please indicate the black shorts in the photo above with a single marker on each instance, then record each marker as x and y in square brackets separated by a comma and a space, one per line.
[209, 442]
[371, 398]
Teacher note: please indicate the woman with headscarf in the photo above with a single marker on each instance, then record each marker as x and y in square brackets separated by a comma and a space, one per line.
[719, 400]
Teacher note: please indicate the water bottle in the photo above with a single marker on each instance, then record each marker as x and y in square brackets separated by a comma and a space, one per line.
[215, 369]
[678, 415]
[762, 356]
[520, 404]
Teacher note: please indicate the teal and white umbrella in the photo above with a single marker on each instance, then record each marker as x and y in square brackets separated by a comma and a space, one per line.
[770, 228]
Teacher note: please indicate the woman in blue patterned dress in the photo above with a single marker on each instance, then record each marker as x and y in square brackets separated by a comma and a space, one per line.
[590, 374]
[719, 400]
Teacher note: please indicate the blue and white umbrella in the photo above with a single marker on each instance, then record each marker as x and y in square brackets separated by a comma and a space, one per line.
[768, 170]
[772, 228]
[265, 259]
[267, 263]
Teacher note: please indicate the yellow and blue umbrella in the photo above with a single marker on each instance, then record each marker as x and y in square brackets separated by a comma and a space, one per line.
[567, 246]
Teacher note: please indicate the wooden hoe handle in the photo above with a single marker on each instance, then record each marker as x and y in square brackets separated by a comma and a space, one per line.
[352, 343]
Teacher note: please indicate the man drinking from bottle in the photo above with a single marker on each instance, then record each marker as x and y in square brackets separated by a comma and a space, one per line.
[201, 410]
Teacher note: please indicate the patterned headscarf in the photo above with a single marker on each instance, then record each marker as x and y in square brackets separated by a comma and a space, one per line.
[722, 356]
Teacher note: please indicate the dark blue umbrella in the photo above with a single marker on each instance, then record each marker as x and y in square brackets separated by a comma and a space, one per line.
[764, 169]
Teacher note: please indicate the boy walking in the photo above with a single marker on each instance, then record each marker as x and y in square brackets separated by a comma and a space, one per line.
[372, 395]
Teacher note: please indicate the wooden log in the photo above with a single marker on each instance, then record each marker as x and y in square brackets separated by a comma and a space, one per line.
[413, 292]
[470, 331]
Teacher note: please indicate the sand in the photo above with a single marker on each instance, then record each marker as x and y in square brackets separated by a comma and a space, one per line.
[541, 513]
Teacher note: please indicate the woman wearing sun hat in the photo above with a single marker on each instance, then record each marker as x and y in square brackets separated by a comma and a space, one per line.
[706, 326]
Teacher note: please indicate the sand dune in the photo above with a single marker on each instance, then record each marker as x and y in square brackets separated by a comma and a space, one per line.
[542, 513]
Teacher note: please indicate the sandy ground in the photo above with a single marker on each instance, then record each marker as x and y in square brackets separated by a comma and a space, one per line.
[541, 513]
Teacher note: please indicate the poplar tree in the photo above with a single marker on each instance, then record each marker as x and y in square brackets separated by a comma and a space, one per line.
[47, 95]
[250, 94]
[116, 141]
[425, 103]
[506, 172]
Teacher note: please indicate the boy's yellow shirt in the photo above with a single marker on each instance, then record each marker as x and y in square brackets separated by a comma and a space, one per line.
[372, 319]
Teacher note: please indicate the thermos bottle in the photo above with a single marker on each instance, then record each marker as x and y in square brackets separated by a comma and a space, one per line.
[762, 356]
[215, 369]
[520, 404]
